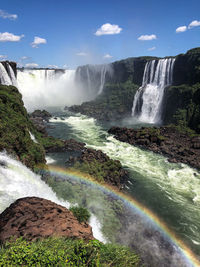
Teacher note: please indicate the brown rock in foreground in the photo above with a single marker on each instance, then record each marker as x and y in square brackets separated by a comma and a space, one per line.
[34, 218]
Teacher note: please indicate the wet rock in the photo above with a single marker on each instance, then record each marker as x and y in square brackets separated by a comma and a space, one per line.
[34, 218]
[166, 140]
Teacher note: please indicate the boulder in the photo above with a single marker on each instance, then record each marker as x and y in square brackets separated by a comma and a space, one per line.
[34, 218]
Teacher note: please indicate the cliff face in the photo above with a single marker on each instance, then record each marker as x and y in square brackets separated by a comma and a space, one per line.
[187, 68]
[16, 128]
[181, 103]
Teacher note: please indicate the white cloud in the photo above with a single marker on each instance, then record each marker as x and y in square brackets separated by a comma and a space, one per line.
[107, 56]
[3, 57]
[147, 37]
[24, 58]
[194, 23]
[181, 29]
[31, 65]
[52, 66]
[82, 54]
[151, 48]
[5, 15]
[107, 29]
[10, 37]
[65, 66]
[37, 41]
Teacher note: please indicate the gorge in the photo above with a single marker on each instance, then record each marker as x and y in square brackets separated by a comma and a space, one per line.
[158, 91]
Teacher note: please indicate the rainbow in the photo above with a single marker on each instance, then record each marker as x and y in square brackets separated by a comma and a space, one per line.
[133, 203]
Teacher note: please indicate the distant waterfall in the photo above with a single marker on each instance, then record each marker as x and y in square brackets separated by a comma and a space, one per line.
[7, 77]
[102, 78]
[43, 88]
[147, 104]
[92, 78]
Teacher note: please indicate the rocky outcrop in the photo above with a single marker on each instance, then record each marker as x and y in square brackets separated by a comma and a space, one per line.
[34, 218]
[100, 166]
[40, 118]
[91, 161]
[177, 146]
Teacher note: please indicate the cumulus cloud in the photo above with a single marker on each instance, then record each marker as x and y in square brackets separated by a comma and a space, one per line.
[107, 56]
[31, 65]
[151, 48]
[10, 37]
[3, 57]
[147, 37]
[181, 29]
[37, 41]
[194, 23]
[5, 15]
[82, 54]
[107, 29]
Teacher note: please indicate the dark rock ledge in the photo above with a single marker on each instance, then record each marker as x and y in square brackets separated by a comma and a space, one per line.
[168, 141]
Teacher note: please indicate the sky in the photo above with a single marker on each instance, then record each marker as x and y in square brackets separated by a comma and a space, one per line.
[66, 34]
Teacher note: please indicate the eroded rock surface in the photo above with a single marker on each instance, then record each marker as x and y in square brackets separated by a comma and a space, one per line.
[34, 218]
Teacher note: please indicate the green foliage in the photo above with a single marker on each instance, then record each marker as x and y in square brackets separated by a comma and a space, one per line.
[82, 214]
[66, 252]
[183, 106]
[101, 171]
[15, 127]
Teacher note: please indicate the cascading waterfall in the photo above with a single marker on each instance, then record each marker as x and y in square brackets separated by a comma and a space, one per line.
[92, 78]
[102, 80]
[147, 104]
[48, 88]
[5, 77]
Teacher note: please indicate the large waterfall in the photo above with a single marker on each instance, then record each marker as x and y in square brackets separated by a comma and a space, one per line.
[7, 76]
[48, 88]
[147, 104]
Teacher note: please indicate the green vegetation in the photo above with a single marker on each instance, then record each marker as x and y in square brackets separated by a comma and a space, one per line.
[66, 252]
[107, 171]
[115, 102]
[15, 128]
[82, 214]
[183, 106]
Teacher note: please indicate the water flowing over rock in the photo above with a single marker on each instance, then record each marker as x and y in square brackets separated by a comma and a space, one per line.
[147, 104]
[34, 218]
[93, 77]
[8, 73]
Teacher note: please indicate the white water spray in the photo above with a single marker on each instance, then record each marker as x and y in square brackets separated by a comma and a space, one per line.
[48, 88]
[17, 181]
[147, 104]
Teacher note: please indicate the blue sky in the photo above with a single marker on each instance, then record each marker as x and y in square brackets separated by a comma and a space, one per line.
[77, 32]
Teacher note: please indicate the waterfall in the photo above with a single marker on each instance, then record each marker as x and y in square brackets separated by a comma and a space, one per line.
[18, 181]
[5, 77]
[43, 88]
[147, 104]
[92, 78]
[102, 78]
